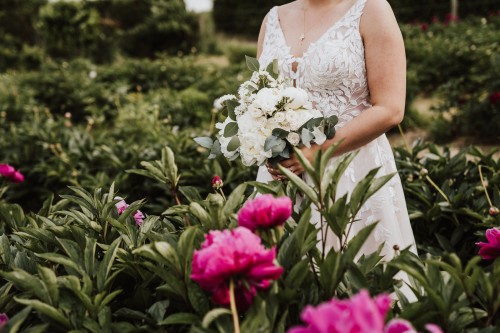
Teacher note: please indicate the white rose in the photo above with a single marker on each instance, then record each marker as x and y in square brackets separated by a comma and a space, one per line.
[298, 97]
[279, 117]
[293, 119]
[247, 123]
[255, 111]
[293, 138]
[267, 98]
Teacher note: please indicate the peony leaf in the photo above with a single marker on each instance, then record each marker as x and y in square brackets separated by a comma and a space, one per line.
[212, 315]
[231, 129]
[180, 318]
[233, 144]
[252, 63]
[204, 141]
[106, 264]
[47, 310]
[302, 185]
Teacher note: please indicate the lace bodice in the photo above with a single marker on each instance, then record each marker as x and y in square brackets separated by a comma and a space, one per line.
[332, 69]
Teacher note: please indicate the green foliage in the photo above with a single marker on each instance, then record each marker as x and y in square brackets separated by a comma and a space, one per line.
[237, 18]
[446, 198]
[425, 10]
[78, 265]
[457, 64]
[69, 30]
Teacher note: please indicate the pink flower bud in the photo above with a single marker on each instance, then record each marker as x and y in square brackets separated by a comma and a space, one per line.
[4, 319]
[217, 182]
[121, 206]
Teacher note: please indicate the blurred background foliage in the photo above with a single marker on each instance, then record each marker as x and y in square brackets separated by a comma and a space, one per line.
[90, 88]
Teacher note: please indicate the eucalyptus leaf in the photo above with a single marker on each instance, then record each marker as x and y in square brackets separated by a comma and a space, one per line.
[252, 63]
[233, 144]
[204, 141]
[231, 129]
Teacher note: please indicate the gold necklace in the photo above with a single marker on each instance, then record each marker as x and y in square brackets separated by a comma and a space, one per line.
[322, 18]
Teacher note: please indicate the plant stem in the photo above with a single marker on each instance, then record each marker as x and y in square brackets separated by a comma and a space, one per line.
[437, 188]
[222, 193]
[484, 185]
[178, 202]
[404, 137]
[234, 311]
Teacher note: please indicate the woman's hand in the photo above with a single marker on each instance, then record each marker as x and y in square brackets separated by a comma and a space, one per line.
[293, 163]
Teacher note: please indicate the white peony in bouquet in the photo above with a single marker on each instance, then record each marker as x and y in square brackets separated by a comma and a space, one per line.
[266, 119]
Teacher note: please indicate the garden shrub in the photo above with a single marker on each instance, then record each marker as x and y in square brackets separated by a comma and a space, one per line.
[81, 264]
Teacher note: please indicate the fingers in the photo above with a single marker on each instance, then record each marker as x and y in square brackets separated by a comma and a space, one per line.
[295, 168]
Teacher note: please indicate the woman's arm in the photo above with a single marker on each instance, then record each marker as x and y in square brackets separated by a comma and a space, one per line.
[386, 74]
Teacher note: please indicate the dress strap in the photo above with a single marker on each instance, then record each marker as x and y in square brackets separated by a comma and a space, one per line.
[359, 8]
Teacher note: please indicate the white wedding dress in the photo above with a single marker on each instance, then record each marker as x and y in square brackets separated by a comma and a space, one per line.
[332, 70]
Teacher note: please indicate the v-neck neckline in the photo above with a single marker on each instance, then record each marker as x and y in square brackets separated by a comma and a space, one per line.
[311, 44]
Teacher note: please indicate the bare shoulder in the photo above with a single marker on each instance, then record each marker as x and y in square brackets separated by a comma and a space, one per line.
[288, 9]
[377, 15]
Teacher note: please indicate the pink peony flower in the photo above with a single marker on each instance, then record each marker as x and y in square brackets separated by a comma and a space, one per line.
[6, 170]
[217, 183]
[399, 326]
[11, 174]
[122, 205]
[424, 27]
[234, 254]
[360, 314]
[4, 319]
[491, 249]
[265, 212]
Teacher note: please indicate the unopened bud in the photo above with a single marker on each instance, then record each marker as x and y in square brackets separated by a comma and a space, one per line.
[217, 183]
[424, 172]
[494, 211]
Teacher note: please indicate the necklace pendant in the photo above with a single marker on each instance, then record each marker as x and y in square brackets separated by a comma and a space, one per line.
[302, 37]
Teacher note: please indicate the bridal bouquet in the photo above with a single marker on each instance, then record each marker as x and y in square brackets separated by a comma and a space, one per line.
[266, 119]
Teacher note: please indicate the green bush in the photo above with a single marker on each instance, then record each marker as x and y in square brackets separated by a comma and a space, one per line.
[446, 197]
[79, 265]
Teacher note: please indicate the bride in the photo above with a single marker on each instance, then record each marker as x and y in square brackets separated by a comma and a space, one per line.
[349, 56]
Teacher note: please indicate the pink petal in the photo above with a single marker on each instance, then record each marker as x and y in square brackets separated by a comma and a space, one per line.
[120, 205]
[433, 328]
[493, 237]
[6, 170]
[399, 326]
[487, 251]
